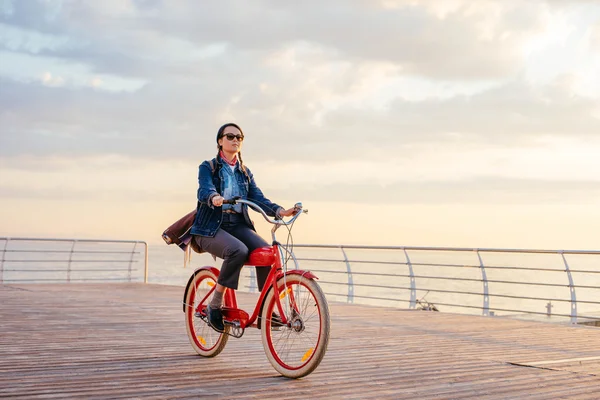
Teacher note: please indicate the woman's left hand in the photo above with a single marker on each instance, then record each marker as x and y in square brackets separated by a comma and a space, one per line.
[287, 213]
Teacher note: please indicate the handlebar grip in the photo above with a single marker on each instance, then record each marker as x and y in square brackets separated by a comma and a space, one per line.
[233, 200]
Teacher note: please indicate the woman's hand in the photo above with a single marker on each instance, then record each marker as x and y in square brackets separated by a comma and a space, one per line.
[287, 213]
[217, 201]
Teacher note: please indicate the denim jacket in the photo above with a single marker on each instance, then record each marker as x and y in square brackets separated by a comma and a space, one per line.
[208, 217]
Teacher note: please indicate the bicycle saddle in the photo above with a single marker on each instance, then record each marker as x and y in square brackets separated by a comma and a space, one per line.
[263, 256]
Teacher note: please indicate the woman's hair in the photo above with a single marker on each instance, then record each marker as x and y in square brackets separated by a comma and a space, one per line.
[220, 135]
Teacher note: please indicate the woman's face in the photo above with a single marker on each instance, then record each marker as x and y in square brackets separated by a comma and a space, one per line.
[231, 141]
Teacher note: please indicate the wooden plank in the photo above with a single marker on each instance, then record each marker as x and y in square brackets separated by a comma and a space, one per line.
[129, 340]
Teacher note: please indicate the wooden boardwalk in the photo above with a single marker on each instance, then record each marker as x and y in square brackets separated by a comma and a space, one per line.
[129, 341]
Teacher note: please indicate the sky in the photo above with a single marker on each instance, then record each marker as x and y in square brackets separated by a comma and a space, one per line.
[395, 122]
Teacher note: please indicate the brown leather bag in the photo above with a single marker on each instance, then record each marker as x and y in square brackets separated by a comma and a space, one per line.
[177, 232]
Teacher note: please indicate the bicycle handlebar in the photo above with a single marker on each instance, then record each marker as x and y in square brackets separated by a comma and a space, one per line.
[274, 221]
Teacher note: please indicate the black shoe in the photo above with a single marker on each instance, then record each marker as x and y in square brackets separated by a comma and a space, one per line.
[276, 320]
[215, 318]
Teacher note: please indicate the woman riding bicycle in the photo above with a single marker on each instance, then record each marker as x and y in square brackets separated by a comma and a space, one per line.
[224, 230]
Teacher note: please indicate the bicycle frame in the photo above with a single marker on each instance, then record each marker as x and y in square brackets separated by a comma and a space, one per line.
[291, 311]
[270, 255]
[275, 274]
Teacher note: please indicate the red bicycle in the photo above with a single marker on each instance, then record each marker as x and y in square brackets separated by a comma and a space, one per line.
[291, 308]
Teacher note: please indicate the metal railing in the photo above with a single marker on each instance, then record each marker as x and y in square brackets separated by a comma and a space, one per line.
[557, 283]
[71, 260]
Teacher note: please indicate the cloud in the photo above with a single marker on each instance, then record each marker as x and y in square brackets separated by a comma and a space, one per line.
[60, 120]
[551, 170]
[50, 80]
[135, 38]
[481, 191]
[595, 36]
[97, 178]
[509, 113]
[449, 109]
[92, 181]
[307, 116]
[305, 81]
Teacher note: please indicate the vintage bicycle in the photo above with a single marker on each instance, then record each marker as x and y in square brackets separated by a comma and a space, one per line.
[291, 311]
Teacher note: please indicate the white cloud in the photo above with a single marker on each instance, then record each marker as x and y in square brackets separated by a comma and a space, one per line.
[56, 72]
[96, 82]
[422, 101]
[18, 39]
[471, 40]
[50, 80]
[106, 177]
[551, 160]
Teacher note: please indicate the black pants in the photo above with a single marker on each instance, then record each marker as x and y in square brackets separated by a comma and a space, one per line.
[233, 243]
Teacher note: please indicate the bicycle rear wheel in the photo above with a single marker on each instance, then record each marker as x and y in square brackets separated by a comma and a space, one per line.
[297, 348]
[206, 341]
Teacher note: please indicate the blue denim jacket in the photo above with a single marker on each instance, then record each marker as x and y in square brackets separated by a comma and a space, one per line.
[208, 218]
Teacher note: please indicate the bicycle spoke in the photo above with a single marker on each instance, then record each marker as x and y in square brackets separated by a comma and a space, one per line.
[203, 338]
[297, 348]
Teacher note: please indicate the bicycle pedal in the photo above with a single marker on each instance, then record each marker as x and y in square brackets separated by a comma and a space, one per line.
[235, 329]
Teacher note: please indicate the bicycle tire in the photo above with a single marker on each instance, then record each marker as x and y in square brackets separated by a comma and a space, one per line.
[205, 340]
[295, 350]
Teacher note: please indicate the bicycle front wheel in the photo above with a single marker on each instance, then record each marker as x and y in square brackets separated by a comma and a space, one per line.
[205, 340]
[296, 348]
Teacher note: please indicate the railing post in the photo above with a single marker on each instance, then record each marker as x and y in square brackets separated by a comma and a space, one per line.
[145, 262]
[486, 293]
[253, 285]
[350, 280]
[131, 262]
[2, 260]
[70, 260]
[413, 282]
[571, 289]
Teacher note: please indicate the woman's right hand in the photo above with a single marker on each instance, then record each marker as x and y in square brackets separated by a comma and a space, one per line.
[217, 201]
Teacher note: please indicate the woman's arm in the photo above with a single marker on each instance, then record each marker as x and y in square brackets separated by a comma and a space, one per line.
[256, 195]
[206, 187]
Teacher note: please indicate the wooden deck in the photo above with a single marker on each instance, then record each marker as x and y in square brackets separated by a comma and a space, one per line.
[129, 341]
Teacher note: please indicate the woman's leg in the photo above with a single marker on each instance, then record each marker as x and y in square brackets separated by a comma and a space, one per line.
[234, 254]
[253, 241]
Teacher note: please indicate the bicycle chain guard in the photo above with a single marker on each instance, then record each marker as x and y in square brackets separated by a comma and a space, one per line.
[235, 328]
[236, 319]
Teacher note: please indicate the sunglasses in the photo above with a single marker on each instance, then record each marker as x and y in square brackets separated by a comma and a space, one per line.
[231, 136]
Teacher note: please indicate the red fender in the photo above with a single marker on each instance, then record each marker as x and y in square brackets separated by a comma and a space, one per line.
[212, 269]
[306, 274]
[187, 287]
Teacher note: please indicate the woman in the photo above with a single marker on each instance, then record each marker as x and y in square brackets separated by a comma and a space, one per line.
[225, 230]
